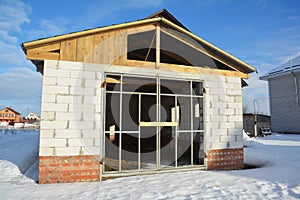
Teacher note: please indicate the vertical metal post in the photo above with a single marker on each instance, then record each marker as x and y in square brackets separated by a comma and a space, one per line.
[157, 119]
[192, 121]
[204, 117]
[176, 128]
[139, 134]
[120, 121]
[296, 88]
[255, 116]
[102, 134]
[255, 125]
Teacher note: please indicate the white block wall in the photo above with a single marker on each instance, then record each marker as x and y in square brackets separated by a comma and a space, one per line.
[224, 115]
[71, 102]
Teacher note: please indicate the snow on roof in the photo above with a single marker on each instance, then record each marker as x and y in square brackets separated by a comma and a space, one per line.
[286, 67]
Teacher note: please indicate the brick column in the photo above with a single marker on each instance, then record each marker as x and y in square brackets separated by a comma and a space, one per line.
[66, 169]
[225, 159]
[224, 125]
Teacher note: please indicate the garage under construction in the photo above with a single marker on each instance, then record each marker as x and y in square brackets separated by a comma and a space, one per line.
[146, 96]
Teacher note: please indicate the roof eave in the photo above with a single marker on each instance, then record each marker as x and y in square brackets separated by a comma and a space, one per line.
[268, 76]
[34, 43]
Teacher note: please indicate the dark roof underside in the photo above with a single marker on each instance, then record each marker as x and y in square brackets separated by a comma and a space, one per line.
[165, 14]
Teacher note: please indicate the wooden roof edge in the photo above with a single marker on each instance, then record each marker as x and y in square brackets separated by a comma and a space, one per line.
[250, 68]
[38, 42]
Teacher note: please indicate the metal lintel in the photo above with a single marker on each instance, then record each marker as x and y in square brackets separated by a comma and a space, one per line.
[158, 124]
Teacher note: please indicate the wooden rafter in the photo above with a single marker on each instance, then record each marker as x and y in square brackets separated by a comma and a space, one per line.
[187, 69]
[157, 61]
[150, 47]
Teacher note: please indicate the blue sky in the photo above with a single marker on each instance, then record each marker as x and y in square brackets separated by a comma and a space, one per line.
[263, 33]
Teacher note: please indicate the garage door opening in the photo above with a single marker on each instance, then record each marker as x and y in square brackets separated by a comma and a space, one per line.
[152, 123]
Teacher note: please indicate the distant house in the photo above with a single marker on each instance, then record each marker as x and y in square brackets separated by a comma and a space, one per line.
[9, 115]
[284, 89]
[32, 116]
[138, 97]
[255, 123]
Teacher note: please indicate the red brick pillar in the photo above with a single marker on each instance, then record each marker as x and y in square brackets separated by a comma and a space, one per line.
[225, 159]
[66, 169]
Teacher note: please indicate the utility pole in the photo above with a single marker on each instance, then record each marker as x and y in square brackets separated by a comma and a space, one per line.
[255, 116]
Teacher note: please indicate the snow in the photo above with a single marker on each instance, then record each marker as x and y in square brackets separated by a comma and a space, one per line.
[247, 140]
[276, 176]
[21, 148]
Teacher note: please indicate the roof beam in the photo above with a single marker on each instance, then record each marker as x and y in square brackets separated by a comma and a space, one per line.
[49, 47]
[40, 55]
[157, 33]
[187, 69]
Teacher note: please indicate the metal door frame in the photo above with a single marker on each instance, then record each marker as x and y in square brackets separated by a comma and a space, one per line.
[158, 117]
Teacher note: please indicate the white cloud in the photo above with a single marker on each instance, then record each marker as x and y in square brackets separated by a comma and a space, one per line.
[143, 3]
[265, 56]
[257, 90]
[292, 18]
[48, 27]
[20, 83]
[11, 55]
[91, 16]
[262, 3]
[22, 88]
[10, 52]
[13, 13]
[8, 38]
[210, 3]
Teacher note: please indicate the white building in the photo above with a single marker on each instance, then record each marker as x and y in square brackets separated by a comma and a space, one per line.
[284, 89]
[139, 97]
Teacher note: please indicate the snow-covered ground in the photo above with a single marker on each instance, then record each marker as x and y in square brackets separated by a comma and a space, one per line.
[20, 147]
[278, 176]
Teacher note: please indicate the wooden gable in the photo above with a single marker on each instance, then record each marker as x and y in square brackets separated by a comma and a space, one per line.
[103, 47]
[112, 45]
